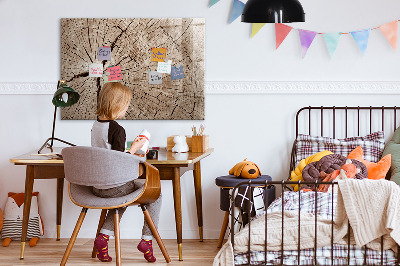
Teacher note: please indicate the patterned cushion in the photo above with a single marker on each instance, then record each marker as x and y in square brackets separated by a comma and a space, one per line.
[372, 144]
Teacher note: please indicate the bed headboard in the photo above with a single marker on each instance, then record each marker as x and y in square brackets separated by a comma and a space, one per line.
[344, 121]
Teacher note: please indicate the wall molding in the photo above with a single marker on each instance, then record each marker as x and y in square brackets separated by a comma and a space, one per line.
[250, 87]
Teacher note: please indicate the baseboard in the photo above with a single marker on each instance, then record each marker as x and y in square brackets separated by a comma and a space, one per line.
[247, 87]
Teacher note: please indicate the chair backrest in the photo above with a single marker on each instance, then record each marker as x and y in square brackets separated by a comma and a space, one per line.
[92, 166]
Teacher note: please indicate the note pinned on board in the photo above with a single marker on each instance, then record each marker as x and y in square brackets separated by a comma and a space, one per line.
[95, 70]
[158, 54]
[164, 67]
[177, 73]
[155, 78]
[115, 73]
[104, 53]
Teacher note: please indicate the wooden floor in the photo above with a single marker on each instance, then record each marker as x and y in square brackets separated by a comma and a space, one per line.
[50, 252]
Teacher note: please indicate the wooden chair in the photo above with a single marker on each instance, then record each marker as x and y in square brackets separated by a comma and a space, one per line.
[85, 167]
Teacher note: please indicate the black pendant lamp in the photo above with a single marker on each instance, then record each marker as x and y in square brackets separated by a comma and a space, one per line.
[273, 11]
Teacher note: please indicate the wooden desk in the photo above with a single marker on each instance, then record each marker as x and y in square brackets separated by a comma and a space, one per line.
[168, 164]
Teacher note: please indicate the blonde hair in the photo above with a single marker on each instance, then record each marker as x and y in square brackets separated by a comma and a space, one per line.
[112, 99]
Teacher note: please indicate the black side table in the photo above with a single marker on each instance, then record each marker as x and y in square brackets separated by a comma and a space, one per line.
[226, 183]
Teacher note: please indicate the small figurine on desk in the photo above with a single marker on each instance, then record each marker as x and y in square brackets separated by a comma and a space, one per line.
[180, 144]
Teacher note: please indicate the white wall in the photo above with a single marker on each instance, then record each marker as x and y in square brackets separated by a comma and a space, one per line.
[259, 126]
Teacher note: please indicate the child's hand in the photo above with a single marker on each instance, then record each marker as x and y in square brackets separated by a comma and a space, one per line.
[142, 155]
[137, 144]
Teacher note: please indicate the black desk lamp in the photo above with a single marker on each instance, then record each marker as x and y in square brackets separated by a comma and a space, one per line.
[273, 11]
[63, 97]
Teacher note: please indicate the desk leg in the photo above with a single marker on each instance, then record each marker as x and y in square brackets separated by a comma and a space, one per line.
[60, 190]
[176, 182]
[27, 206]
[199, 204]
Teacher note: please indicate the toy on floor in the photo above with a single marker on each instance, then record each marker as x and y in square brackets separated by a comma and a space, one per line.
[245, 169]
[1, 219]
[13, 215]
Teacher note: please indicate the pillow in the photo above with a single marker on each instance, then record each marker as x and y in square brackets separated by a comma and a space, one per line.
[375, 170]
[393, 148]
[372, 144]
[296, 174]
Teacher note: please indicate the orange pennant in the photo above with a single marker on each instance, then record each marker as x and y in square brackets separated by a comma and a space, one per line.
[389, 30]
[281, 31]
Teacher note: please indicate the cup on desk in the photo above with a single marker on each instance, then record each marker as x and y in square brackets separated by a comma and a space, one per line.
[152, 155]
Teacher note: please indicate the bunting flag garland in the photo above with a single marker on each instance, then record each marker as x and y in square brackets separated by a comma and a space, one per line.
[281, 31]
[389, 30]
[213, 2]
[255, 28]
[306, 39]
[361, 37]
[237, 9]
[332, 41]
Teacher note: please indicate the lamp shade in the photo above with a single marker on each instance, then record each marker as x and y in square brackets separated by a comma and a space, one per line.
[65, 96]
[273, 11]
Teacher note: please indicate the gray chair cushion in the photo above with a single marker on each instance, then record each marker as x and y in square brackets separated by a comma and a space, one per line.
[99, 167]
[83, 195]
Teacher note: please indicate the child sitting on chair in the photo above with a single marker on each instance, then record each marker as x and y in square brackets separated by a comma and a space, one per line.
[106, 133]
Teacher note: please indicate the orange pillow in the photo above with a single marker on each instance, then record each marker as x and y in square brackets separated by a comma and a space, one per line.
[375, 170]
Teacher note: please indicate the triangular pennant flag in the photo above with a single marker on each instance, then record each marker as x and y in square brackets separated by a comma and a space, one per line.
[213, 2]
[390, 32]
[237, 9]
[281, 31]
[306, 39]
[361, 37]
[332, 41]
[255, 28]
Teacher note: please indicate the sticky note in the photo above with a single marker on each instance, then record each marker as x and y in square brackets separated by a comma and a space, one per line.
[115, 73]
[95, 70]
[104, 53]
[177, 73]
[164, 67]
[155, 77]
[158, 54]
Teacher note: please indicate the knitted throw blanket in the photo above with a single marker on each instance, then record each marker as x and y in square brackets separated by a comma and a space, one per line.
[373, 209]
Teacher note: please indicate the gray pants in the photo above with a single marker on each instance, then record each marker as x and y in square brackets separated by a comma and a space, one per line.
[154, 208]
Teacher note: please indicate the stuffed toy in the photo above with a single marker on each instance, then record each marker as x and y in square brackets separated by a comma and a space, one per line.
[245, 169]
[13, 215]
[180, 144]
[1, 220]
[296, 174]
[375, 170]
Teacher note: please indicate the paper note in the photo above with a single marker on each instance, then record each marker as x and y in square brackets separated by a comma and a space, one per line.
[158, 54]
[164, 67]
[177, 73]
[115, 73]
[104, 53]
[155, 77]
[95, 70]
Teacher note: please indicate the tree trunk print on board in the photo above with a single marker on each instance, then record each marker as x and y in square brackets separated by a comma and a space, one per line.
[131, 41]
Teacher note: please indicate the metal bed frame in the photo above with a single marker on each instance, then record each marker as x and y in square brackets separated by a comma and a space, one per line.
[283, 184]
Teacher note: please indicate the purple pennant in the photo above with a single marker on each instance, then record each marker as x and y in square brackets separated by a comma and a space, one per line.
[306, 39]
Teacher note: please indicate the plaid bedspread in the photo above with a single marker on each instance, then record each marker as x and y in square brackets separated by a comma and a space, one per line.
[321, 205]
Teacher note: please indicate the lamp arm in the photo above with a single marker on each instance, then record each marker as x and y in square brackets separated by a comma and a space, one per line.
[54, 126]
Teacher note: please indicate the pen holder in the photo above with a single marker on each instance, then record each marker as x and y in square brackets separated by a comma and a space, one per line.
[200, 143]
